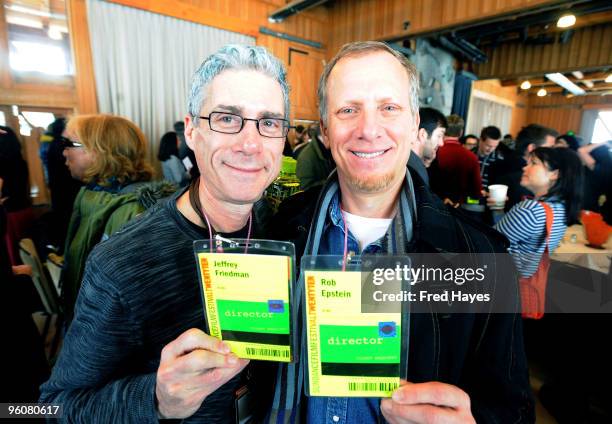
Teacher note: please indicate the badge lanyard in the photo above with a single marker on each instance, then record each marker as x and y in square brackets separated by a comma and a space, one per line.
[345, 251]
[194, 199]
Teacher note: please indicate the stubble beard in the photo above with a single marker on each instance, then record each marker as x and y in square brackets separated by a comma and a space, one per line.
[371, 183]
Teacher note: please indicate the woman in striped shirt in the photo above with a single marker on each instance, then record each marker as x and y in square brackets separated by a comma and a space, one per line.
[554, 176]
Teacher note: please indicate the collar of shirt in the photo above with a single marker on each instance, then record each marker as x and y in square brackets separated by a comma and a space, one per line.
[333, 239]
[451, 140]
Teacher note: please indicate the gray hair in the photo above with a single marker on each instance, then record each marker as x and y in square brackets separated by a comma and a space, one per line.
[235, 56]
[361, 48]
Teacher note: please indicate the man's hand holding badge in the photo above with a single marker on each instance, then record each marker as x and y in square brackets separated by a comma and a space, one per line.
[427, 403]
[192, 367]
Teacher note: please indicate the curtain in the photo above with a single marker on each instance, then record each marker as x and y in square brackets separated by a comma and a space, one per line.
[484, 113]
[143, 64]
[461, 93]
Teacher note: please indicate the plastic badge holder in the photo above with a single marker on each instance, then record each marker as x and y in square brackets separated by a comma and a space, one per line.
[246, 297]
[350, 353]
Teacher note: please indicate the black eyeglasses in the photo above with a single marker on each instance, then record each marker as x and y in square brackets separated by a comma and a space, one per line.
[229, 123]
[69, 143]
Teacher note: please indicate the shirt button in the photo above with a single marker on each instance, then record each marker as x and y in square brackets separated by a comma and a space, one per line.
[336, 418]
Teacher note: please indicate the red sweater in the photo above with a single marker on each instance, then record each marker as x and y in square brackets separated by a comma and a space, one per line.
[455, 173]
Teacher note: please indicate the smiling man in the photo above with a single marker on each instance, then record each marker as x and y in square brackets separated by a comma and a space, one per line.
[368, 100]
[135, 351]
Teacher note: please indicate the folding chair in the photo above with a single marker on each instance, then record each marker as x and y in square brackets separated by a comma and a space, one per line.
[47, 292]
[50, 327]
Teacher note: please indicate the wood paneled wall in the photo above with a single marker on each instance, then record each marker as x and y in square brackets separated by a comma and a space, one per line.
[359, 20]
[243, 16]
[561, 113]
[304, 66]
[493, 90]
[589, 47]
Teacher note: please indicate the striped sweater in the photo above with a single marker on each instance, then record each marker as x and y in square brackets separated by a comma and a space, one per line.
[524, 225]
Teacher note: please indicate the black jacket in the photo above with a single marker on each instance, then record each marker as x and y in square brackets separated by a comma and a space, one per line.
[483, 354]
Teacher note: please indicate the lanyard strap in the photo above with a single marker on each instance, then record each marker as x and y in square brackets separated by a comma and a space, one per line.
[194, 200]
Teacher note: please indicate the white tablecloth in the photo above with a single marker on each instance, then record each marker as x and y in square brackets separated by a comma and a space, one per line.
[573, 249]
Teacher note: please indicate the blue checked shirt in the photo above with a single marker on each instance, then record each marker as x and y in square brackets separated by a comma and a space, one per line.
[332, 410]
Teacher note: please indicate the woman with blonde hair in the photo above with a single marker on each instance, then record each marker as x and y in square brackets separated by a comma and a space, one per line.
[108, 154]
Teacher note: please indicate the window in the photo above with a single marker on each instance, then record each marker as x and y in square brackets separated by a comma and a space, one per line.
[603, 127]
[38, 37]
[38, 57]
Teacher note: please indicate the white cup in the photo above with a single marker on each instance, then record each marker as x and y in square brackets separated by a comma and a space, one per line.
[498, 193]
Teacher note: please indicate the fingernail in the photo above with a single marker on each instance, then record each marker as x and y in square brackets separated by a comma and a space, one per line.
[398, 396]
[224, 347]
[232, 359]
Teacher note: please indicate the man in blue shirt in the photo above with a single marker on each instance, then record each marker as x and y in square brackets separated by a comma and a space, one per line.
[368, 101]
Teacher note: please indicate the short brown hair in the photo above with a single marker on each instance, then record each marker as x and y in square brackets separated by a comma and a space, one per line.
[119, 148]
[455, 125]
[361, 48]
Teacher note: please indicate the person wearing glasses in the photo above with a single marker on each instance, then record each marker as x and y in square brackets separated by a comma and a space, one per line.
[135, 351]
[106, 153]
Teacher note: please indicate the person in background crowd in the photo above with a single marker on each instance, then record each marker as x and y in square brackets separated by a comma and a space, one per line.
[373, 204]
[568, 140]
[135, 351]
[302, 140]
[455, 174]
[107, 153]
[315, 162]
[14, 193]
[185, 153]
[43, 151]
[172, 167]
[430, 137]
[299, 133]
[597, 159]
[469, 141]
[432, 128]
[509, 171]
[554, 176]
[487, 152]
[63, 187]
[508, 141]
[24, 366]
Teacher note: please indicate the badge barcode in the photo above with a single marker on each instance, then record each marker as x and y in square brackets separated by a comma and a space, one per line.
[371, 387]
[275, 353]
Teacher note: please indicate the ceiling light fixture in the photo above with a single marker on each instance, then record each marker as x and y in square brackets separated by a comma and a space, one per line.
[588, 83]
[579, 75]
[566, 21]
[564, 82]
[525, 85]
[542, 92]
[609, 79]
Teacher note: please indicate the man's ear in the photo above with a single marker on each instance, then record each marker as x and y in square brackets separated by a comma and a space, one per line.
[421, 136]
[189, 132]
[324, 134]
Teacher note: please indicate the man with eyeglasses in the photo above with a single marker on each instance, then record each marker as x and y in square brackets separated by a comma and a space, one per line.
[135, 351]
